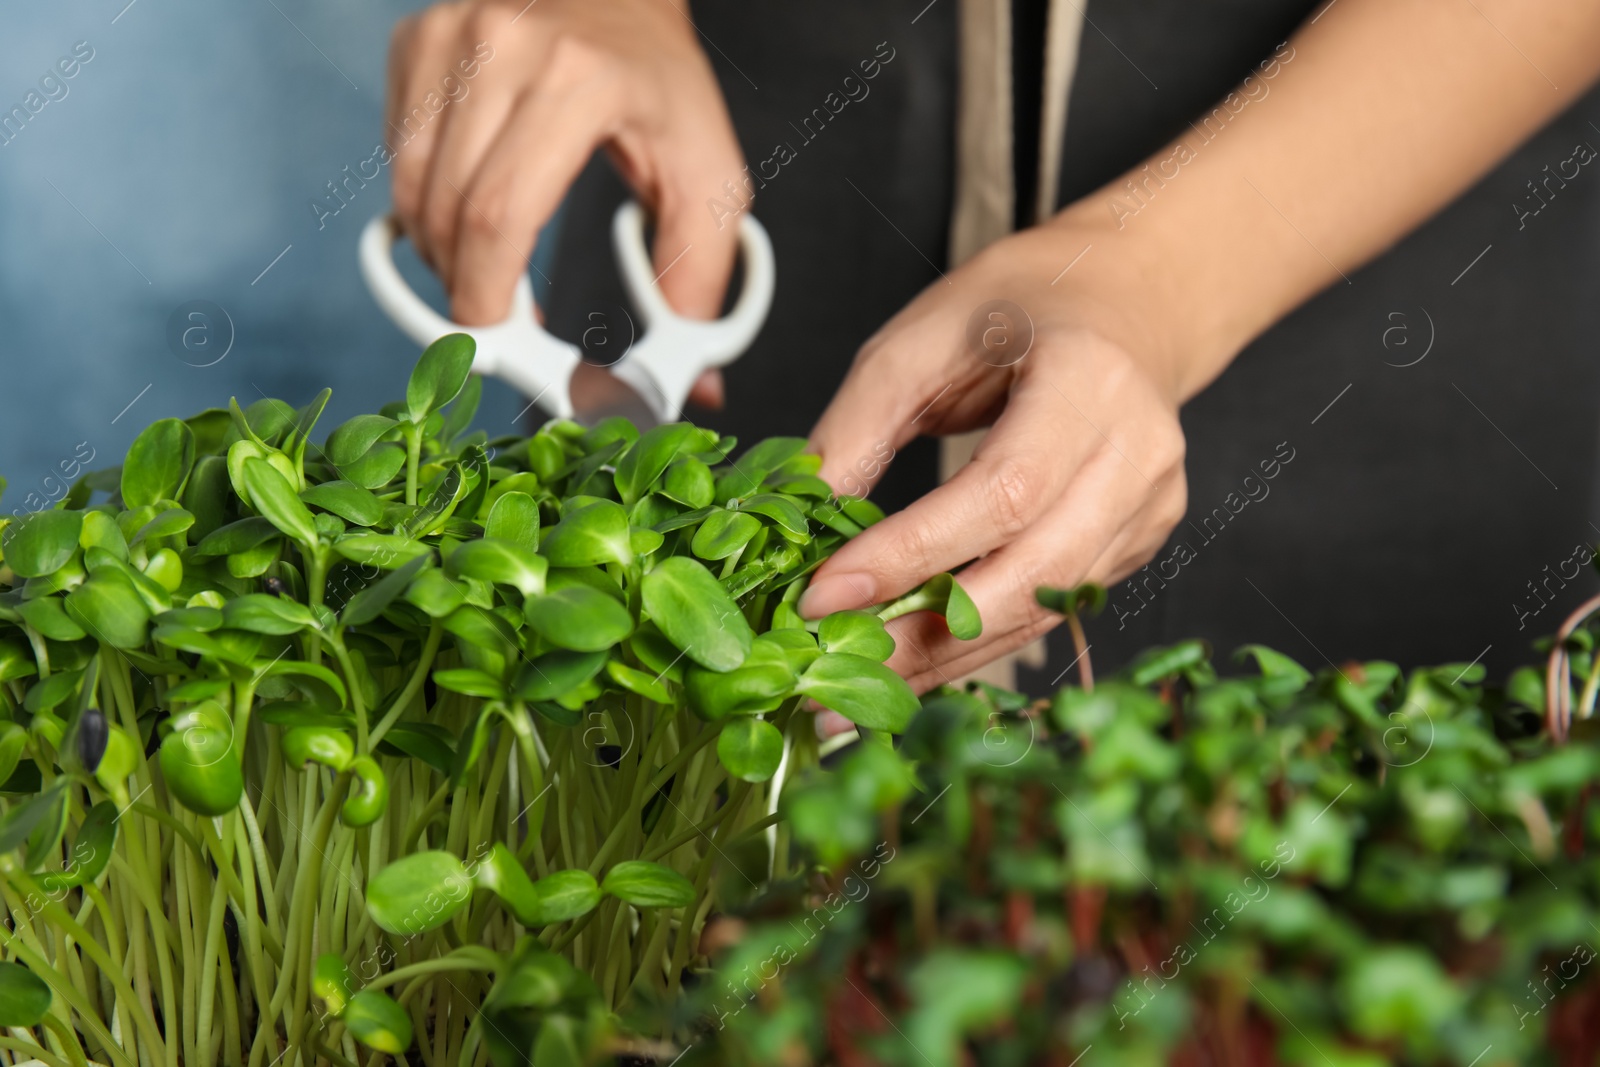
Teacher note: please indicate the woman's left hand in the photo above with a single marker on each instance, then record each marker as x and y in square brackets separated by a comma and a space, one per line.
[1080, 479]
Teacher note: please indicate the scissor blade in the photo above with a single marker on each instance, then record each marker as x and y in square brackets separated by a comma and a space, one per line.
[598, 394]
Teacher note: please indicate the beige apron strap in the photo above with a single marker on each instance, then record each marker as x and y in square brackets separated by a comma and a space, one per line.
[985, 195]
[1064, 29]
[985, 188]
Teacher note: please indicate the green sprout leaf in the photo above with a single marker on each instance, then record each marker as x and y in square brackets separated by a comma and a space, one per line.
[24, 996]
[689, 482]
[376, 469]
[501, 873]
[757, 687]
[49, 617]
[942, 595]
[750, 749]
[320, 685]
[168, 523]
[593, 534]
[118, 764]
[317, 744]
[1157, 663]
[44, 843]
[384, 551]
[13, 742]
[781, 510]
[100, 530]
[91, 850]
[350, 502]
[578, 617]
[435, 593]
[441, 502]
[857, 632]
[42, 543]
[751, 469]
[632, 679]
[514, 518]
[862, 690]
[240, 536]
[724, 533]
[463, 409]
[158, 463]
[696, 614]
[555, 674]
[439, 375]
[418, 893]
[426, 741]
[1085, 599]
[651, 454]
[109, 608]
[332, 982]
[1274, 664]
[264, 614]
[370, 800]
[500, 563]
[354, 439]
[472, 683]
[19, 823]
[200, 763]
[370, 602]
[648, 885]
[275, 498]
[378, 1022]
[561, 896]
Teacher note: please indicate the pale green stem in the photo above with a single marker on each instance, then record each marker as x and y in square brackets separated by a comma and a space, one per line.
[430, 648]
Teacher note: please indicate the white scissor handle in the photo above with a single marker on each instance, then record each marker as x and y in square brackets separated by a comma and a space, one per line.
[517, 350]
[676, 350]
[661, 367]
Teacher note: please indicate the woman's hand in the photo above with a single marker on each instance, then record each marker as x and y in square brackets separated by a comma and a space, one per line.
[1194, 253]
[1081, 477]
[476, 181]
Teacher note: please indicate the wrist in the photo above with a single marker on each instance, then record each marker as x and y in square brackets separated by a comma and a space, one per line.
[1158, 293]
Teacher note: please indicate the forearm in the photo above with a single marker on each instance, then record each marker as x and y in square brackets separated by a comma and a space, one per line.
[1373, 118]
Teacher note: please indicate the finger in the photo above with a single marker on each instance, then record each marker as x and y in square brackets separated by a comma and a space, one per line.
[889, 399]
[1059, 549]
[709, 391]
[831, 724]
[473, 124]
[1019, 471]
[416, 125]
[1105, 521]
[401, 42]
[873, 405]
[544, 144]
[928, 661]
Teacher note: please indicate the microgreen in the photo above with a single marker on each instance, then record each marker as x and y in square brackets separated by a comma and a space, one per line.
[414, 741]
[1185, 863]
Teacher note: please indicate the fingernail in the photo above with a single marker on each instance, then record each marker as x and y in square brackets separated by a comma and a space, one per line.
[837, 592]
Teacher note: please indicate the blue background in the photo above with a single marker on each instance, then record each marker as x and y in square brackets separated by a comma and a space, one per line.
[194, 141]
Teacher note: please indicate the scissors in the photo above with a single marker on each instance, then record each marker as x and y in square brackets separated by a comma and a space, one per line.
[651, 380]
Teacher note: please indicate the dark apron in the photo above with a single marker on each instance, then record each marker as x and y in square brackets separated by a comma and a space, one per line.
[1438, 509]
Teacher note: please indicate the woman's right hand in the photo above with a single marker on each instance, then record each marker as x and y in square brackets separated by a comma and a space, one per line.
[475, 181]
